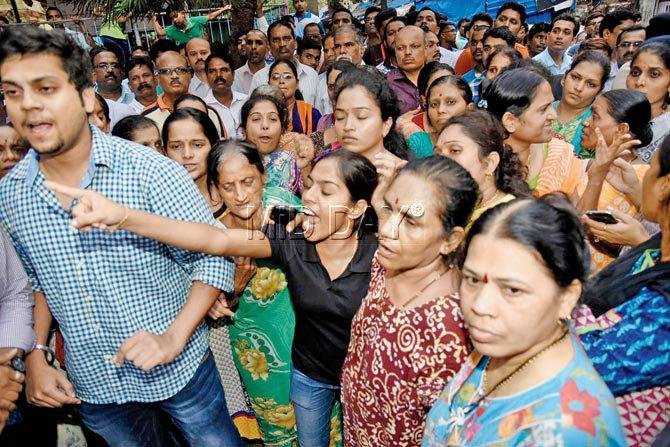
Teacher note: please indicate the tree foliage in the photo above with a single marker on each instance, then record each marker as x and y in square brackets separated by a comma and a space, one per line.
[139, 8]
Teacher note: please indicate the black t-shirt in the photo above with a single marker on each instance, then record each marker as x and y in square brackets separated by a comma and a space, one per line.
[323, 308]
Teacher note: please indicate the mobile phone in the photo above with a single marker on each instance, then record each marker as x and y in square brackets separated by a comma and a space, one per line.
[605, 217]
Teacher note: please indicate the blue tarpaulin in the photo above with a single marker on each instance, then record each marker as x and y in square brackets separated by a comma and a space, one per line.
[457, 9]
[454, 9]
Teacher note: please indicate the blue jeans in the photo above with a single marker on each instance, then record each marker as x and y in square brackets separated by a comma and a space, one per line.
[198, 411]
[312, 402]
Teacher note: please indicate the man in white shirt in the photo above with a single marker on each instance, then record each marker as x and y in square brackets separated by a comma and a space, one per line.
[118, 111]
[222, 98]
[107, 76]
[257, 48]
[197, 51]
[562, 35]
[348, 46]
[142, 82]
[283, 45]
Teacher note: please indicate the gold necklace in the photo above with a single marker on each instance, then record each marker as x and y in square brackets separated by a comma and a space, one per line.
[523, 366]
[438, 275]
[491, 200]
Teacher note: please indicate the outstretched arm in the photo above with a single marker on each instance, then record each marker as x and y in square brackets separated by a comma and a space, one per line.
[217, 12]
[96, 211]
[160, 31]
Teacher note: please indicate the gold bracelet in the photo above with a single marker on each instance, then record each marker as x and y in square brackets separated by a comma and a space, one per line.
[118, 226]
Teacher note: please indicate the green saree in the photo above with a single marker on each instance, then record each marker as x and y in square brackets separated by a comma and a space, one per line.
[261, 337]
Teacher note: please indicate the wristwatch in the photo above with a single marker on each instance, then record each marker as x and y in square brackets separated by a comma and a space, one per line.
[48, 353]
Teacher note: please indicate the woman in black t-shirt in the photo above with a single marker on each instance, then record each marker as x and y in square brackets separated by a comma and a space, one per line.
[327, 264]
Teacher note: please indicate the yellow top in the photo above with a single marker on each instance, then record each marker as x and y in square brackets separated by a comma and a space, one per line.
[476, 214]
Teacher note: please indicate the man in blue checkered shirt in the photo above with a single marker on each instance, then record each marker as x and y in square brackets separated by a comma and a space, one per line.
[130, 309]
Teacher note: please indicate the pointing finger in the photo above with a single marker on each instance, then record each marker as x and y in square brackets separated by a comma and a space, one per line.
[69, 191]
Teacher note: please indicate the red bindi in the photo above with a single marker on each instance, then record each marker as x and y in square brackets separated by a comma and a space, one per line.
[485, 278]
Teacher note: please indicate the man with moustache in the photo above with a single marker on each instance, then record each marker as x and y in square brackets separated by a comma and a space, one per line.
[611, 26]
[348, 45]
[628, 41]
[257, 48]
[107, 76]
[328, 54]
[197, 51]
[107, 72]
[537, 38]
[222, 98]
[283, 44]
[432, 46]
[174, 76]
[428, 20]
[480, 22]
[381, 20]
[313, 32]
[142, 82]
[130, 309]
[410, 52]
[592, 25]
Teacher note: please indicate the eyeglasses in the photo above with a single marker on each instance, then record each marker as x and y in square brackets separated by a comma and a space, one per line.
[630, 44]
[168, 71]
[105, 67]
[284, 76]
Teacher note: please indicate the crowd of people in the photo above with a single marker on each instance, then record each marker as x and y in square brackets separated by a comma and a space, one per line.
[400, 232]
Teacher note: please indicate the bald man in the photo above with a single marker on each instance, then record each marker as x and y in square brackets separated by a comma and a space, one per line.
[197, 50]
[410, 53]
[174, 76]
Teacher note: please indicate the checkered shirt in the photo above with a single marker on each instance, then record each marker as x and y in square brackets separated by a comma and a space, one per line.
[102, 287]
